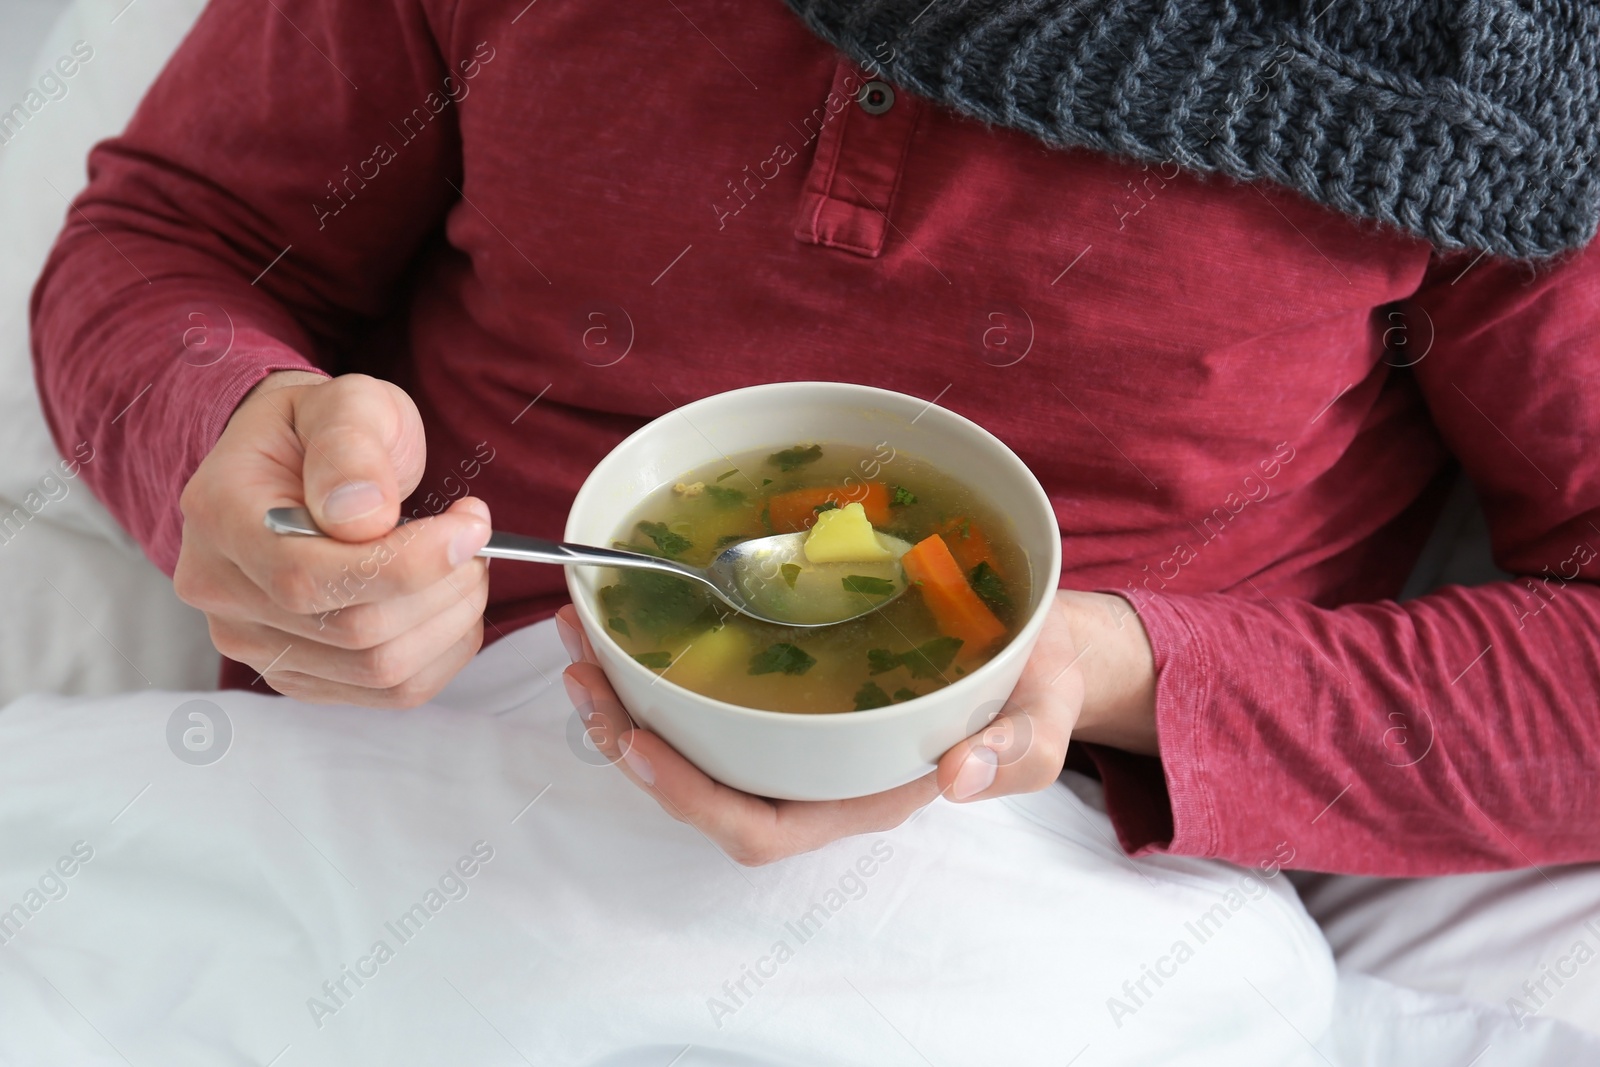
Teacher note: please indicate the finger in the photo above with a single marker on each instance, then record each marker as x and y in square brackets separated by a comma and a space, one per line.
[227, 593]
[1021, 750]
[418, 689]
[573, 639]
[1024, 747]
[752, 830]
[316, 575]
[597, 704]
[363, 440]
[652, 763]
[385, 665]
[806, 826]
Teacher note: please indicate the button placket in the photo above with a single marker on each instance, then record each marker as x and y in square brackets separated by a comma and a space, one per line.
[861, 149]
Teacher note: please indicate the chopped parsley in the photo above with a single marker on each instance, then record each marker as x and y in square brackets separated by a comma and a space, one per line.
[658, 608]
[927, 660]
[901, 497]
[619, 624]
[656, 661]
[790, 572]
[784, 657]
[790, 458]
[860, 583]
[725, 475]
[721, 494]
[881, 660]
[672, 544]
[989, 586]
[826, 505]
[905, 694]
[871, 695]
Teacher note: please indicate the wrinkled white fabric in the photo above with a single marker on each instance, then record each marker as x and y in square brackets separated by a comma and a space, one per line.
[220, 898]
[1527, 941]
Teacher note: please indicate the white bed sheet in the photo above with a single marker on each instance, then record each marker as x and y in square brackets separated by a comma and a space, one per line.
[219, 899]
[1526, 940]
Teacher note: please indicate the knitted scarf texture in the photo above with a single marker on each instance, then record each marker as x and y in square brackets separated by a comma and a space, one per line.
[1471, 123]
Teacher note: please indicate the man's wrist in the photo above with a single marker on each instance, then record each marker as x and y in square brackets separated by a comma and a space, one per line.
[1114, 655]
[279, 379]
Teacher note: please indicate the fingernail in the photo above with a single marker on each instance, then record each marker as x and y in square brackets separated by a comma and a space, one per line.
[476, 506]
[976, 773]
[569, 639]
[636, 761]
[465, 544]
[351, 501]
[576, 692]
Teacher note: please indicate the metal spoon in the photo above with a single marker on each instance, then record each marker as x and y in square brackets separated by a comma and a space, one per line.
[751, 577]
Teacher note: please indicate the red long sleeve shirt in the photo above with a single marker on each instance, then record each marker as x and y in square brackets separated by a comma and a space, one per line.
[551, 223]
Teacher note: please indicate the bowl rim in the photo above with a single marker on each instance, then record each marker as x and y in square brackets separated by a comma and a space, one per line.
[824, 720]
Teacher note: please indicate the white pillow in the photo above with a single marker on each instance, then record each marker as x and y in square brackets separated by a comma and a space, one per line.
[88, 613]
[41, 169]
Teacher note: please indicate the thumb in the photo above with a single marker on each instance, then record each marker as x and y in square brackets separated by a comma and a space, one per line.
[362, 438]
[1022, 748]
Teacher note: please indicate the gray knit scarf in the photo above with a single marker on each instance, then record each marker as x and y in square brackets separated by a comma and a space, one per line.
[1471, 123]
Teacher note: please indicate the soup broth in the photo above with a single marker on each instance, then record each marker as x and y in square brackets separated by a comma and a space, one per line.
[969, 583]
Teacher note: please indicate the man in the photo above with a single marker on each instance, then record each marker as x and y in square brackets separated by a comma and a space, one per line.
[542, 225]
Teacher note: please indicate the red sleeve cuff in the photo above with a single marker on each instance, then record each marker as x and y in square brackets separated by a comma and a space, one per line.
[1164, 805]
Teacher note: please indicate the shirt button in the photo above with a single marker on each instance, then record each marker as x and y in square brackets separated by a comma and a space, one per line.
[875, 97]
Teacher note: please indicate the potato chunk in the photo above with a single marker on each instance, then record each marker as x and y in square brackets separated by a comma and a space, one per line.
[843, 535]
[713, 655]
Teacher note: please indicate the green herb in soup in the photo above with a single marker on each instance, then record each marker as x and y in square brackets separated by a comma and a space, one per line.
[798, 456]
[969, 583]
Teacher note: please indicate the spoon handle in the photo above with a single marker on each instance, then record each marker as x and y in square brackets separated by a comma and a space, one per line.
[508, 546]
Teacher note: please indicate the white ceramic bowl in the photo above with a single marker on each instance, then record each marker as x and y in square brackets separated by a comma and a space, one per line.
[812, 757]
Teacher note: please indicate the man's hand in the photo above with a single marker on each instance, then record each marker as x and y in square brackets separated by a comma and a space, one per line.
[1091, 674]
[371, 615]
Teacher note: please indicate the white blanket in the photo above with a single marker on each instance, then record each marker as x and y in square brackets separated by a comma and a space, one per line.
[462, 883]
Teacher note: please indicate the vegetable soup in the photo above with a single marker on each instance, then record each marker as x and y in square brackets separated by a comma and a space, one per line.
[969, 584]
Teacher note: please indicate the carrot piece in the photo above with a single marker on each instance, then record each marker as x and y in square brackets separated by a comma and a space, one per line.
[969, 544]
[797, 509]
[955, 607]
